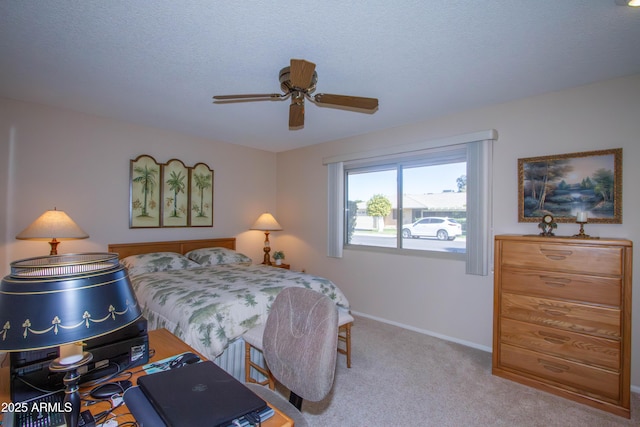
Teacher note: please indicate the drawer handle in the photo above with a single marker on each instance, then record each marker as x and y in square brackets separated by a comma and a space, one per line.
[553, 367]
[553, 338]
[555, 311]
[555, 282]
[556, 255]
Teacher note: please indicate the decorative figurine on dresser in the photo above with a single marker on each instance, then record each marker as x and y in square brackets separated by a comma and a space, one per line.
[562, 317]
[547, 225]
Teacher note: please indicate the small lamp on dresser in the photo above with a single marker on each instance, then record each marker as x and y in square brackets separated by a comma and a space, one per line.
[267, 223]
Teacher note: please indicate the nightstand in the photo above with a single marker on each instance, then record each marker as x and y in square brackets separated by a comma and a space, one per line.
[283, 265]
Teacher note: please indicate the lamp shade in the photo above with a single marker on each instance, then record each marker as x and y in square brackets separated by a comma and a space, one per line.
[53, 224]
[266, 222]
[54, 300]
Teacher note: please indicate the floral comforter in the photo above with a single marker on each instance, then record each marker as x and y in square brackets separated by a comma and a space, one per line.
[209, 307]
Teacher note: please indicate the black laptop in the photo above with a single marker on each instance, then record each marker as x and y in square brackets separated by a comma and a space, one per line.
[201, 394]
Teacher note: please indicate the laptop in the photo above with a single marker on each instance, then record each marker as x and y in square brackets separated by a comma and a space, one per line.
[201, 394]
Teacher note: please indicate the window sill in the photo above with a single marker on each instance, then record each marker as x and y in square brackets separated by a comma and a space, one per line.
[407, 252]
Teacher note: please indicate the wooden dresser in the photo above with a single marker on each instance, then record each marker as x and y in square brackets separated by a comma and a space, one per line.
[562, 317]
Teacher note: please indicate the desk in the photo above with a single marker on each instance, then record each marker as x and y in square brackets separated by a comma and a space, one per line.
[165, 344]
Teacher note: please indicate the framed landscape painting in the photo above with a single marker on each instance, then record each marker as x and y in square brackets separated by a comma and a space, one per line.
[175, 193]
[201, 196]
[144, 192]
[563, 185]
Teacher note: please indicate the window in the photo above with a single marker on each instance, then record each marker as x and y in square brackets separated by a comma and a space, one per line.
[393, 177]
[429, 216]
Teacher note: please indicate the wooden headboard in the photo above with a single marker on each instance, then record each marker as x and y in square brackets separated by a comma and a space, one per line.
[180, 246]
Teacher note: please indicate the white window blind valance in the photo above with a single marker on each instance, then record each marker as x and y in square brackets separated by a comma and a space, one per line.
[440, 144]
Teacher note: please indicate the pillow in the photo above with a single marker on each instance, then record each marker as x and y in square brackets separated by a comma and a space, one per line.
[157, 261]
[218, 256]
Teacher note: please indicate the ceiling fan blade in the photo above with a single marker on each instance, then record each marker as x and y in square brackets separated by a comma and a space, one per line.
[358, 102]
[301, 73]
[296, 113]
[248, 96]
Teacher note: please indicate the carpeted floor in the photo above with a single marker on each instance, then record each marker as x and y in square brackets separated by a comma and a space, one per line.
[403, 378]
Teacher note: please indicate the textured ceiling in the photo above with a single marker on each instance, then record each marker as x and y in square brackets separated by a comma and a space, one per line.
[159, 62]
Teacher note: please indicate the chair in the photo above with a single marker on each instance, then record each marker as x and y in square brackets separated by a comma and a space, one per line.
[253, 339]
[345, 321]
[300, 340]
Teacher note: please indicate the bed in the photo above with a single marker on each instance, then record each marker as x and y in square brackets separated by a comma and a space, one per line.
[209, 295]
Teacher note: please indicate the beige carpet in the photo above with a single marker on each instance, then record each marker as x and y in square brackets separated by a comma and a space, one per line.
[404, 378]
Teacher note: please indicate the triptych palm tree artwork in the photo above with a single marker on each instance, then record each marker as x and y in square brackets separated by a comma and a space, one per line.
[169, 194]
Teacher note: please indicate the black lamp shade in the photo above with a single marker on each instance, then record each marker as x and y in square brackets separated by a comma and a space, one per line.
[54, 300]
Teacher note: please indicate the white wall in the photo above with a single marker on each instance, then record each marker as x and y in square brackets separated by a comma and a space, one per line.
[80, 164]
[435, 295]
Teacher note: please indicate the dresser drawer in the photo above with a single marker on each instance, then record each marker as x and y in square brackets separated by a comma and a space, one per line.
[591, 289]
[563, 373]
[592, 320]
[571, 258]
[579, 347]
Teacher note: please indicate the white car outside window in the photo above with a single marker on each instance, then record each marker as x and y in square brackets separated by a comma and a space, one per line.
[442, 228]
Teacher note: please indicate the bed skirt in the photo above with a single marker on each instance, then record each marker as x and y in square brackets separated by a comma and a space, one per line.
[232, 361]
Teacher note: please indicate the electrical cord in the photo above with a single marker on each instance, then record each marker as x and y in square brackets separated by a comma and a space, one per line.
[120, 370]
[101, 417]
[86, 394]
[33, 386]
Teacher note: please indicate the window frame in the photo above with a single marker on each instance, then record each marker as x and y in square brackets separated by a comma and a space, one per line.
[452, 154]
[479, 149]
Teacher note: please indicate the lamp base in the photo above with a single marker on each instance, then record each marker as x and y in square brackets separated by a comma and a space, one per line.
[54, 246]
[71, 378]
[267, 248]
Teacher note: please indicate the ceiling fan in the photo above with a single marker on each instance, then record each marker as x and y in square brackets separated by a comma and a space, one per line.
[298, 81]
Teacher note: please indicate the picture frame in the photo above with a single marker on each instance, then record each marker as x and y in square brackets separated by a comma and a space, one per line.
[201, 195]
[144, 192]
[175, 194]
[563, 185]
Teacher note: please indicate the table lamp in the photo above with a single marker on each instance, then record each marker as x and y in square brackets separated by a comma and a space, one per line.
[267, 223]
[62, 300]
[51, 225]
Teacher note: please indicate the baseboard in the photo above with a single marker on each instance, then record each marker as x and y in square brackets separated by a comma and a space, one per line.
[425, 332]
[634, 388]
